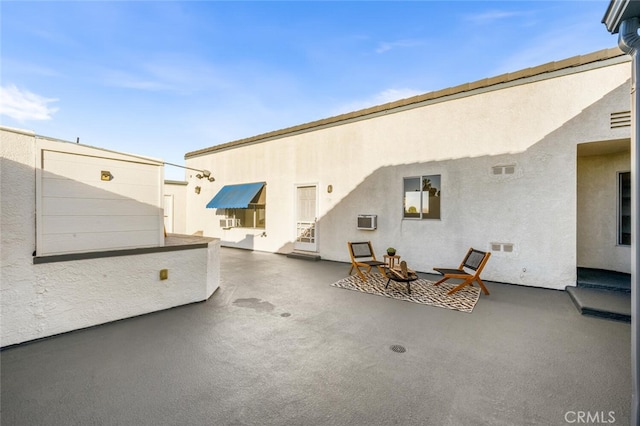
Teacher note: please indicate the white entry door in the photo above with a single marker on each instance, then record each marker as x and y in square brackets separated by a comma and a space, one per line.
[306, 215]
[168, 213]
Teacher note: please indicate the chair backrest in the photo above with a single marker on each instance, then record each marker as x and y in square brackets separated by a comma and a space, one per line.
[475, 259]
[361, 249]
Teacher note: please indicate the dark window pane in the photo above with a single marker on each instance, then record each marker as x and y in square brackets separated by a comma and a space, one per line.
[624, 209]
[412, 198]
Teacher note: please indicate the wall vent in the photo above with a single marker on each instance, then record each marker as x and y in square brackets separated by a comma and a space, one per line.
[504, 170]
[504, 247]
[620, 119]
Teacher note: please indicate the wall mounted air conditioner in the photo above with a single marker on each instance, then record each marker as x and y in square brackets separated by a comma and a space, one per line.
[367, 222]
[229, 223]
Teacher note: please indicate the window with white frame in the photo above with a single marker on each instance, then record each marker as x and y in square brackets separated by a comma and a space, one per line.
[422, 196]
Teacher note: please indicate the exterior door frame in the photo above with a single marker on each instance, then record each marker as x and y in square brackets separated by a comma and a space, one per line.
[168, 218]
[308, 242]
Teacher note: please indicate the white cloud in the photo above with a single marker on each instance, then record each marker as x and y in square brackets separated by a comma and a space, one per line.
[388, 95]
[386, 46]
[117, 78]
[22, 105]
[492, 16]
[168, 73]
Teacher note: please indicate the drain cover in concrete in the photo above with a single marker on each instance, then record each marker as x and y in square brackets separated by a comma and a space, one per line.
[398, 348]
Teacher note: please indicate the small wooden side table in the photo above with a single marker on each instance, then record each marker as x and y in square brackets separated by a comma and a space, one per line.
[392, 261]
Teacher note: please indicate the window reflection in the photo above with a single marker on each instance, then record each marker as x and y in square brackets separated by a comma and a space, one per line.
[422, 197]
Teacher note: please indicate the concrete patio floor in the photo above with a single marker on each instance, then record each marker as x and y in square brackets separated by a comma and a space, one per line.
[277, 345]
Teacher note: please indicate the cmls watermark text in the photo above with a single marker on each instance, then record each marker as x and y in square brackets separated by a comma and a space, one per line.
[590, 417]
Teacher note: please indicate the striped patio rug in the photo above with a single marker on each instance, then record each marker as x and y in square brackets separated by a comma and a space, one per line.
[422, 291]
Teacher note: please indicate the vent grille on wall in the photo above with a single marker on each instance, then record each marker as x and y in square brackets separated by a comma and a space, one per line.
[505, 247]
[620, 119]
[504, 170]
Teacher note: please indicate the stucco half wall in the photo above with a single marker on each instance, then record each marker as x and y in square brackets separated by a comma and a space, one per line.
[50, 298]
[47, 295]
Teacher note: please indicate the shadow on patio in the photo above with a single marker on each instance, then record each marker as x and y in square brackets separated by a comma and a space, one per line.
[276, 344]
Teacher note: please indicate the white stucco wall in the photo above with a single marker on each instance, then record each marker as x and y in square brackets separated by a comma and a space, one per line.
[598, 213]
[39, 300]
[534, 124]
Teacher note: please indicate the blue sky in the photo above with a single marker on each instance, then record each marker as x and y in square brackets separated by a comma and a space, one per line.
[161, 78]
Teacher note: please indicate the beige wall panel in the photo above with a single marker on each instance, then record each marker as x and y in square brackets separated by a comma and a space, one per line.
[89, 224]
[78, 207]
[57, 186]
[133, 180]
[96, 241]
[54, 206]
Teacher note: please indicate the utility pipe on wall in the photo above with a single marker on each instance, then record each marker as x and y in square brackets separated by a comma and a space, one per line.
[629, 42]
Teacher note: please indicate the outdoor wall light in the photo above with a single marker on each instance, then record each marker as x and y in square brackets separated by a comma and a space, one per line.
[206, 174]
[197, 189]
[202, 174]
[106, 175]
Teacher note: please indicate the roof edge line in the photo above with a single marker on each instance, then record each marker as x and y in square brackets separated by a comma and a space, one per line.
[575, 61]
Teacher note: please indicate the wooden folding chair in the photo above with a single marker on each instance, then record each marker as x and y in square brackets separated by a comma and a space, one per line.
[362, 256]
[473, 261]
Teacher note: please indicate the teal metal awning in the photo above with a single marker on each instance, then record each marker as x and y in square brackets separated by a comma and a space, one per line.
[235, 196]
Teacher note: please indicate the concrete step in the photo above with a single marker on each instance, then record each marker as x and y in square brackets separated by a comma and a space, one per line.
[304, 255]
[613, 305]
[604, 280]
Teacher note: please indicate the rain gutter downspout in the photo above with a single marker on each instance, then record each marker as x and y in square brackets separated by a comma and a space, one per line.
[629, 42]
